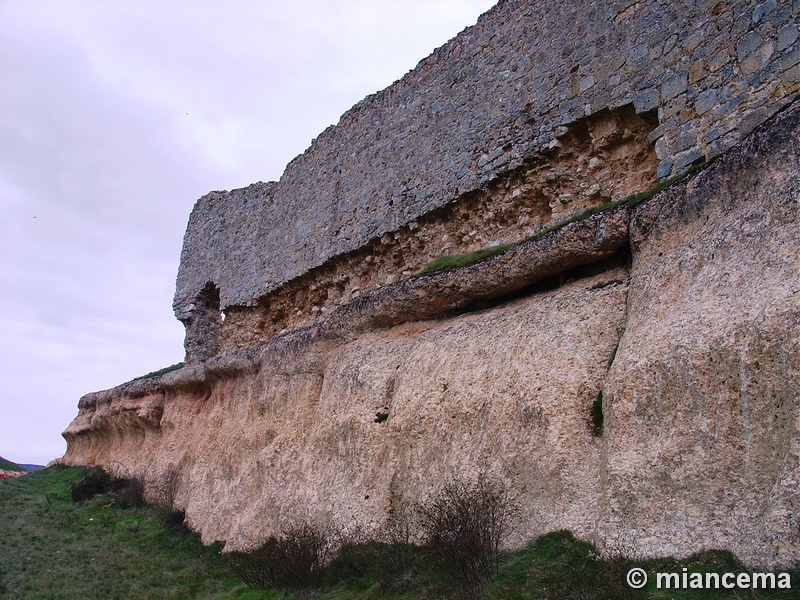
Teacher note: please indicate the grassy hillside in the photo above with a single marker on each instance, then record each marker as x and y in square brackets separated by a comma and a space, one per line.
[7, 465]
[51, 547]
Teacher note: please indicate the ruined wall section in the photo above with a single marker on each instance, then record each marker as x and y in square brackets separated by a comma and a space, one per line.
[485, 104]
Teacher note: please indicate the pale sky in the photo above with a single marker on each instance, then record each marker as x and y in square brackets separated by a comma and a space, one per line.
[114, 118]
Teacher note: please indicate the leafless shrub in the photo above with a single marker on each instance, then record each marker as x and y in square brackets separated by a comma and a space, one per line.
[463, 527]
[166, 488]
[131, 492]
[293, 559]
[162, 495]
[393, 555]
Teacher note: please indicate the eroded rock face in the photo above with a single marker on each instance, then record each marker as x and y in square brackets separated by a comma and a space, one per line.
[683, 311]
[703, 419]
[494, 390]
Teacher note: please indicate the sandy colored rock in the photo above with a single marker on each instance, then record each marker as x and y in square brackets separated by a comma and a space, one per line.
[703, 420]
[493, 391]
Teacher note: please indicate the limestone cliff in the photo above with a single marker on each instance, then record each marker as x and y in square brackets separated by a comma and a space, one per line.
[687, 321]
[678, 311]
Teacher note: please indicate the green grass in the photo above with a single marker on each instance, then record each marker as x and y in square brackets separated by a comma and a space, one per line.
[163, 371]
[454, 261]
[53, 548]
[7, 465]
[557, 566]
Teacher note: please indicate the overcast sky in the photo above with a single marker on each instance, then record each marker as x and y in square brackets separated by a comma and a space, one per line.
[114, 118]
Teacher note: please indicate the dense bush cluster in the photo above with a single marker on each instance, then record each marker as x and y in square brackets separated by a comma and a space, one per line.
[124, 491]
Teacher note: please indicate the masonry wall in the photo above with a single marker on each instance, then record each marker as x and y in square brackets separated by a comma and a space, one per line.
[492, 100]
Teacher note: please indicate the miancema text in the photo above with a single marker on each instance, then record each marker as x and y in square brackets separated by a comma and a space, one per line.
[711, 581]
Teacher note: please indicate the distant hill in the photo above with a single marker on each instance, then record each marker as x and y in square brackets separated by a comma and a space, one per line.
[31, 468]
[7, 465]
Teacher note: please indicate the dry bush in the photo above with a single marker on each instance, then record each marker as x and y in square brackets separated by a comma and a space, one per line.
[463, 527]
[398, 534]
[164, 491]
[293, 559]
[162, 495]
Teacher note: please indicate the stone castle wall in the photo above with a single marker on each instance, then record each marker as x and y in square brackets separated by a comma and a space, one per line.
[486, 103]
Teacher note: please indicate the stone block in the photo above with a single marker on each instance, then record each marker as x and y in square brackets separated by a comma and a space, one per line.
[787, 35]
[789, 59]
[718, 132]
[675, 85]
[697, 72]
[664, 169]
[748, 44]
[763, 9]
[657, 132]
[691, 43]
[683, 142]
[646, 100]
[791, 75]
[661, 148]
[585, 83]
[685, 159]
[721, 144]
[757, 59]
[675, 107]
[705, 101]
[753, 119]
[638, 53]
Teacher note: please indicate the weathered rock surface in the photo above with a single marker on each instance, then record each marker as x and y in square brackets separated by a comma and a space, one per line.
[687, 319]
[6, 474]
[702, 400]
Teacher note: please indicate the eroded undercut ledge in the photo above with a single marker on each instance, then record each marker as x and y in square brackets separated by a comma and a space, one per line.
[592, 161]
